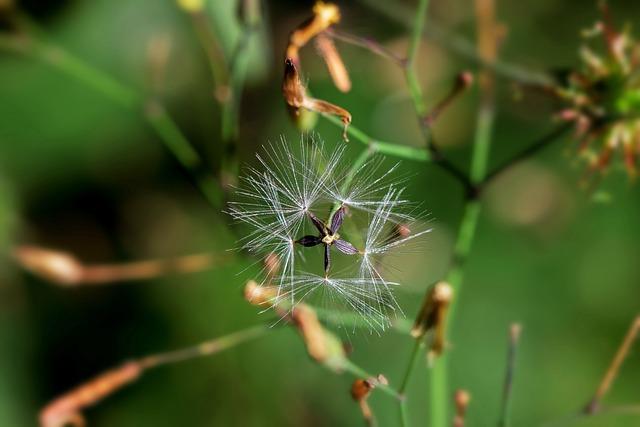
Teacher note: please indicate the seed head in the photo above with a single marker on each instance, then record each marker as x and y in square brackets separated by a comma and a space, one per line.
[330, 228]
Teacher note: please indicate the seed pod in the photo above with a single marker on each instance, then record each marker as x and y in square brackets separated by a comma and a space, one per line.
[295, 95]
[324, 347]
[259, 295]
[55, 266]
[432, 317]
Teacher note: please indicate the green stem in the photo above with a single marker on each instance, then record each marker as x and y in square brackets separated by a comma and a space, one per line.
[387, 148]
[410, 71]
[466, 233]
[404, 413]
[482, 144]
[206, 348]
[164, 126]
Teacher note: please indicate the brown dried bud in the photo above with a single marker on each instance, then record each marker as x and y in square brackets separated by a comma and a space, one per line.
[461, 400]
[323, 346]
[360, 390]
[335, 65]
[463, 81]
[55, 266]
[67, 408]
[259, 295]
[324, 15]
[295, 95]
[432, 317]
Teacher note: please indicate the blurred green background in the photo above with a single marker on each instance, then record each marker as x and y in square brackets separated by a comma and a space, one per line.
[82, 174]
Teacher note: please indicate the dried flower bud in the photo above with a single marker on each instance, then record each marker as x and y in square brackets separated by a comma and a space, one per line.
[463, 81]
[461, 400]
[335, 65]
[432, 317]
[360, 390]
[324, 15]
[259, 295]
[67, 409]
[323, 346]
[295, 95]
[58, 267]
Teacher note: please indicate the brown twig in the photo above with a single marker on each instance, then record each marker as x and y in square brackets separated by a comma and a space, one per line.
[64, 269]
[612, 372]
[67, 409]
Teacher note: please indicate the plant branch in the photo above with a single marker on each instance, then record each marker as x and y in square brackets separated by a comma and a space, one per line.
[514, 337]
[460, 45]
[375, 146]
[65, 269]
[487, 47]
[368, 44]
[410, 70]
[533, 148]
[67, 409]
[415, 353]
[612, 372]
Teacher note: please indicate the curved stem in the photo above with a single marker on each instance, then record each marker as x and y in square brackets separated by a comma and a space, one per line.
[415, 353]
[387, 148]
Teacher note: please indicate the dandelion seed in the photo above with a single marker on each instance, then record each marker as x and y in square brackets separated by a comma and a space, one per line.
[284, 202]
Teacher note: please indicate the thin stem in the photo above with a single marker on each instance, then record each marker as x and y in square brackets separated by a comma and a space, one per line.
[460, 45]
[415, 353]
[400, 325]
[410, 71]
[468, 226]
[206, 348]
[67, 408]
[387, 148]
[161, 122]
[482, 144]
[528, 152]
[366, 43]
[143, 270]
[614, 367]
[514, 337]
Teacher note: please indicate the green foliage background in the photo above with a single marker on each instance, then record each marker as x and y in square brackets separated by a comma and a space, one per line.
[79, 173]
